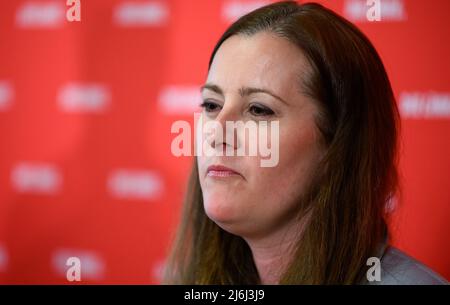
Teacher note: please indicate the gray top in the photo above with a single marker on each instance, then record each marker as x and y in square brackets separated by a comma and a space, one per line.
[397, 268]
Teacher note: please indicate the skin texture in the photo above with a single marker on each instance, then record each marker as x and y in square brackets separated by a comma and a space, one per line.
[260, 203]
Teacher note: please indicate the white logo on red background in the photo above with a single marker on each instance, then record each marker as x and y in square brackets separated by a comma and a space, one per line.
[157, 270]
[129, 13]
[182, 99]
[6, 95]
[3, 258]
[134, 184]
[233, 9]
[91, 264]
[84, 97]
[39, 178]
[427, 105]
[34, 14]
[390, 10]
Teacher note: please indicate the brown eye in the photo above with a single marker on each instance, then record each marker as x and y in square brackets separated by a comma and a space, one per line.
[259, 110]
[209, 106]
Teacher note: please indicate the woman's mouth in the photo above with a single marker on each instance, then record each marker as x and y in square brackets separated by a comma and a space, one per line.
[220, 171]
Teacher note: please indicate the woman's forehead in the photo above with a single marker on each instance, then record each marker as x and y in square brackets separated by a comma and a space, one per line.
[260, 60]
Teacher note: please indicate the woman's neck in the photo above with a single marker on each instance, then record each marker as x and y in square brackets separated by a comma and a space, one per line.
[271, 260]
[273, 253]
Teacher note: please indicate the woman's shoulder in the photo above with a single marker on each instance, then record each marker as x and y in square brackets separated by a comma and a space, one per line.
[398, 268]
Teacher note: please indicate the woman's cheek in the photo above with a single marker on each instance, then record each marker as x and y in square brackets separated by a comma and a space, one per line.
[219, 209]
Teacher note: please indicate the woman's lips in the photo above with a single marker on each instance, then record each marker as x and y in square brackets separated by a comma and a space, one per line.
[221, 171]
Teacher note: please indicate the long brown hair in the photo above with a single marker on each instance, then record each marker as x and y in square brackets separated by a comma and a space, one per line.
[359, 124]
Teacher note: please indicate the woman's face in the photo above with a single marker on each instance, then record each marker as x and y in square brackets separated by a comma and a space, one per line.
[258, 200]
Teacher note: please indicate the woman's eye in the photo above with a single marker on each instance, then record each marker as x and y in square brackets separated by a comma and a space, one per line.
[258, 110]
[209, 106]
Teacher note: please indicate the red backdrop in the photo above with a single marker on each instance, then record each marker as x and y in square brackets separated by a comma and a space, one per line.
[85, 115]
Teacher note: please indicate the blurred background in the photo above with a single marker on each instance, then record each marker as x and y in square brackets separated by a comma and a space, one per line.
[86, 109]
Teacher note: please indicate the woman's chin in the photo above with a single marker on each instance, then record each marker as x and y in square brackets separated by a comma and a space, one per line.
[222, 213]
[231, 219]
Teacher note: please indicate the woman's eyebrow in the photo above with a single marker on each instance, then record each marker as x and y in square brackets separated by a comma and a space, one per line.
[243, 91]
[212, 87]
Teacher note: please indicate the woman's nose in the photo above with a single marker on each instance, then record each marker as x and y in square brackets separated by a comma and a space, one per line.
[225, 136]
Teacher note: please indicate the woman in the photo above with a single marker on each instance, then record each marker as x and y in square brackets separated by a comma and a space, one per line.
[320, 213]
